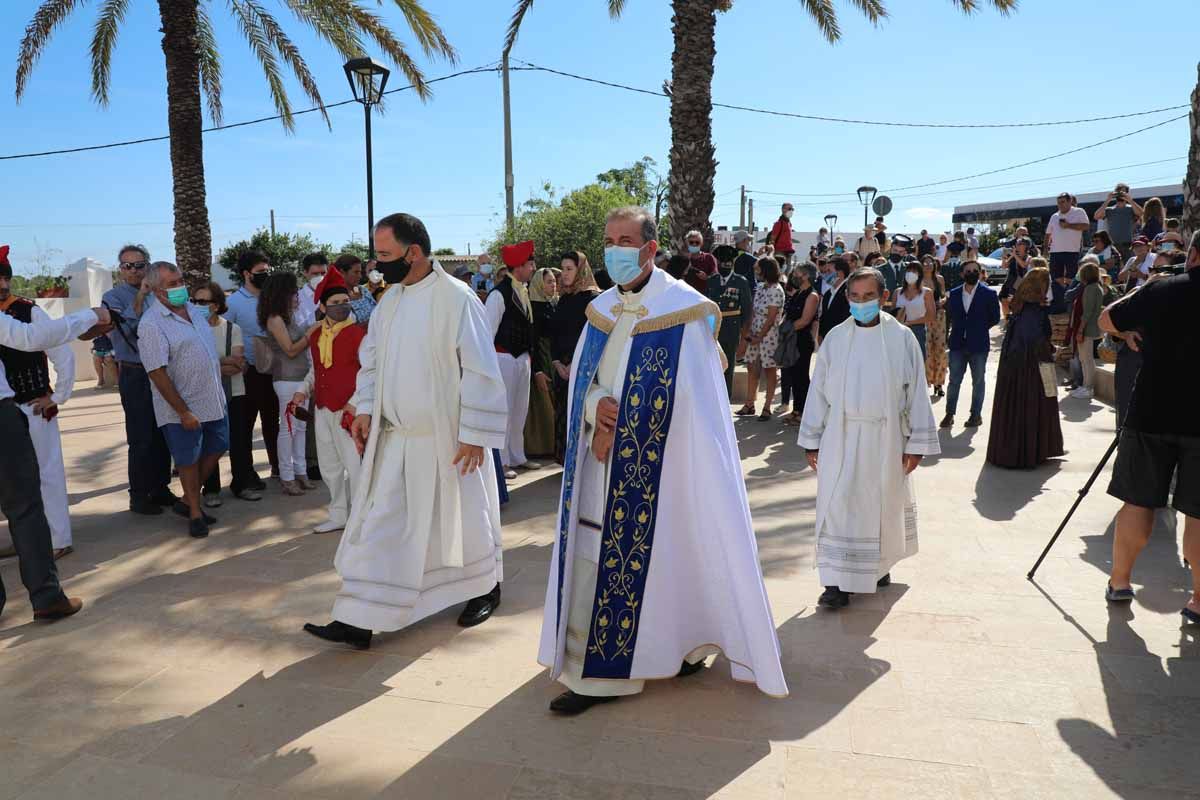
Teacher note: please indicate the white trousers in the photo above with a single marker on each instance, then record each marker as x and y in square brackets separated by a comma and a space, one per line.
[516, 374]
[47, 443]
[339, 462]
[290, 444]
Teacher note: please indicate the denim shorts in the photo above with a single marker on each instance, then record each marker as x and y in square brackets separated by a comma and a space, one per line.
[188, 447]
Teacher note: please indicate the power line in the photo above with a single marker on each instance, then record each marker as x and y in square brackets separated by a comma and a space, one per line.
[487, 68]
[528, 67]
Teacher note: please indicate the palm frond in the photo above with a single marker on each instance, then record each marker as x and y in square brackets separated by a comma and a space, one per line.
[514, 24]
[49, 15]
[1005, 7]
[825, 15]
[426, 30]
[104, 37]
[288, 51]
[330, 23]
[210, 63]
[261, 47]
[873, 10]
[377, 30]
[615, 8]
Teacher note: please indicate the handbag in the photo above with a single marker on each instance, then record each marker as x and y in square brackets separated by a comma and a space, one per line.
[264, 356]
[787, 352]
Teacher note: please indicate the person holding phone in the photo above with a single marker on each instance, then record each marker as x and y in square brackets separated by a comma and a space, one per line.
[1120, 214]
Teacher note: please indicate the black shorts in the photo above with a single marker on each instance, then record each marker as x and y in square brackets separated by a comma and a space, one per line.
[1063, 264]
[1146, 463]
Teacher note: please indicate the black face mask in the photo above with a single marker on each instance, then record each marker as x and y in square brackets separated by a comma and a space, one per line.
[970, 278]
[895, 259]
[725, 268]
[394, 271]
[257, 279]
[338, 313]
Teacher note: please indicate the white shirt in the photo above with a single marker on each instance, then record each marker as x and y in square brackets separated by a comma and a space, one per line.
[1065, 240]
[914, 308]
[237, 383]
[968, 296]
[306, 313]
[495, 306]
[63, 360]
[43, 334]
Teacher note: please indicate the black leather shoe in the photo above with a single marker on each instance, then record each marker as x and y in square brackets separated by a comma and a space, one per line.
[166, 498]
[479, 609]
[570, 704]
[341, 633]
[145, 508]
[256, 483]
[197, 528]
[182, 510]
[833, 598]
[974, 421]
[886, 580]
[947, 421]
[690, 669]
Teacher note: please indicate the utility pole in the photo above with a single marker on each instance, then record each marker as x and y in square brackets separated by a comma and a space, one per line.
[751, 202]
[508, 164]
[272, 223]
[742, 215]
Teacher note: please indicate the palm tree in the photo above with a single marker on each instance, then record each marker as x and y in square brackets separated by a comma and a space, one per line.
[694, 23]
[1191, 183]
[194, 67]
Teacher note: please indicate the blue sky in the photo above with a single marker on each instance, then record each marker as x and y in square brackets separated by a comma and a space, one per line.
[443, 160]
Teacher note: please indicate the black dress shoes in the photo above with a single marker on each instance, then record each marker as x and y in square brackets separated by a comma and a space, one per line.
[182, 510]
[974, 421]
[479, 609]
[886, 580]
[145, 508]
[833, 598]
[341, 633]
[947, 421]
[690, 669]
[166, 498]
[569, 704]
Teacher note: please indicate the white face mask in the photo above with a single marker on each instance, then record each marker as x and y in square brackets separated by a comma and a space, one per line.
[911, 278]
[788, 214]
[315, 281]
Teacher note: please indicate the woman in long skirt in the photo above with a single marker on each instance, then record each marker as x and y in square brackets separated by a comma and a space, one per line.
[937, 361]
[1026, 430]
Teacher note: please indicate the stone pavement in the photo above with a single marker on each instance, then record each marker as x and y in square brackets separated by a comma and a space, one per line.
[187, 674]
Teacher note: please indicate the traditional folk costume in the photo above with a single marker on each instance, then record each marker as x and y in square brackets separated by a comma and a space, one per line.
[867, 406]
[421, 536]
[511, 318]
[29, 377]
[733, 296]
[649, 570]
[329, 384]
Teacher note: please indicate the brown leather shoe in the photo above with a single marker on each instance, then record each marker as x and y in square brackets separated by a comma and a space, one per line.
[60, 610]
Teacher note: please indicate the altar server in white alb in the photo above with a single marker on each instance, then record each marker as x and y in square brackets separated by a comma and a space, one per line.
[867, 424]
[511, 318]
[653, 570]
[29, 377]
[424, 528]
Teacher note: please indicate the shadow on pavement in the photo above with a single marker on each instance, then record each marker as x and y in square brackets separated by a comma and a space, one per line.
[1001, 493]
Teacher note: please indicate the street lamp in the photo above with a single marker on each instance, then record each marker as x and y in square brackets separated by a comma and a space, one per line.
[866, 195]
[362, 74]
[830, 222]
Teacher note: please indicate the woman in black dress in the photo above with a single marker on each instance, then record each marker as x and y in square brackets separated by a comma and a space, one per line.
[1026, 430]
[800, 311]
[539, 424]
[576, 290]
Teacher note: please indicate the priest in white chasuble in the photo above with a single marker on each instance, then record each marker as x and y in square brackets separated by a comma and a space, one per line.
[424, 528]
[655, 566]
[867, 424]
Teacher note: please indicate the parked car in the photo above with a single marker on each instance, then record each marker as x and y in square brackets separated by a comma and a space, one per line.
[992, 266]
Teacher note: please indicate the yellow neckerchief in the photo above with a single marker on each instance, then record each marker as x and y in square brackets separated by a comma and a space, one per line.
[328, 334]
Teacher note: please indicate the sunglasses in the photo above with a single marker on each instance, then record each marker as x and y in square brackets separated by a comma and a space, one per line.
[201, 301]
[134, 265]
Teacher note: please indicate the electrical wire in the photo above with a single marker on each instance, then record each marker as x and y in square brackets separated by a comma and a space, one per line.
[529, 67]
[491, 67]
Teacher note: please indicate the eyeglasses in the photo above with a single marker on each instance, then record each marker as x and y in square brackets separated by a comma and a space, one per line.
[134, 265]
[201, 301]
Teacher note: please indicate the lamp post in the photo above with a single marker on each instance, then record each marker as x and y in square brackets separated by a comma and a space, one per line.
[362, 74]
[866, 195]
[830, 222]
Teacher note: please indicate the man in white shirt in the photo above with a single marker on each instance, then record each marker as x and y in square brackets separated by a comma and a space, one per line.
[20, 492]
[1064, 236]
[315, 265]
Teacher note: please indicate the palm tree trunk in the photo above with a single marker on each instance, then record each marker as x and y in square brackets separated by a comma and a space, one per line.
[1191, 184]
[193, 236]
[693, 166]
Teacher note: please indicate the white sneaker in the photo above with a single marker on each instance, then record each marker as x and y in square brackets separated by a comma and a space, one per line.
[531, 465]
[510, 474]
[329, 526]
[1082, 393]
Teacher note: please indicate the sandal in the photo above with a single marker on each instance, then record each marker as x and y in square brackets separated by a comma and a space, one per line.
[63, 551]
[765, 415]
[745, 411]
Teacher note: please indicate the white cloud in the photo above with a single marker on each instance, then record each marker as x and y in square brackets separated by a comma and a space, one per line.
[927, 213]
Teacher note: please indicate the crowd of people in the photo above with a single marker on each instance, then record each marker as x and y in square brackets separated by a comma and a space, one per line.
[422, 392]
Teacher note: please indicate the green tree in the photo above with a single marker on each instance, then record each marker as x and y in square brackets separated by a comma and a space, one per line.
[444, 251]
[643, 181]
[354, 247]
[283, 250]
[193, 66]
[693, 162]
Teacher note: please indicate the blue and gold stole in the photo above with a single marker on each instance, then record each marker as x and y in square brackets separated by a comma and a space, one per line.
[627, 538]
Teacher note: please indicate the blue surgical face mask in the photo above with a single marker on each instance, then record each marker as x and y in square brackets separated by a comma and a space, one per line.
[865, 313]
[178, 296]
[624, 264]
[203, 311]
[693, 249]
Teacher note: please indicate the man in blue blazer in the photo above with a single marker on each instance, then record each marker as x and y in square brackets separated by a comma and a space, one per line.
[972, 310]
